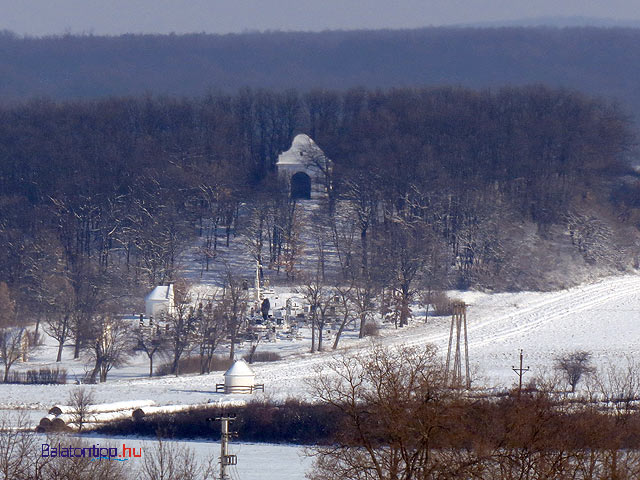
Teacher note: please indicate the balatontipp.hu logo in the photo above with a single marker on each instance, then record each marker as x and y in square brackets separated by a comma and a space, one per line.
[94, 452]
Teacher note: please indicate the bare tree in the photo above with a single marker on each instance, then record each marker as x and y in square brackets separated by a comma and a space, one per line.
[343, 237]
[361, 190]
[181, 326]
[394, 402]
[574, 366]
[362, 296]
[12, 347]
[325, 305]
[209, 331]
[320, 299]
[256, 229]
[434, 273]
[19, 450]
[209, 221]
[110, 345]
[80, 400]
[345, 310]
[405, 246]
[59, 311]
[12, 333]
[88, 285]
[155, 232]
[234, 304]
[292, 245]
[151, 340]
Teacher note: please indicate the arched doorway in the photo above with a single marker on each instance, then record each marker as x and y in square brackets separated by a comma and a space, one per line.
[301, 186]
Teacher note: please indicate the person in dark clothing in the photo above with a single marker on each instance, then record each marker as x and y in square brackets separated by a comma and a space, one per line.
[264, 308]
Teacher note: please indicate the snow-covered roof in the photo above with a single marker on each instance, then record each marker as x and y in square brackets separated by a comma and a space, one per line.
[161, 292]
[239, 369]
[301, 149]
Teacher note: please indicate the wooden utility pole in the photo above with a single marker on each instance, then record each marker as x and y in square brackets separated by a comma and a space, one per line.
[458, 328]
[520, 372]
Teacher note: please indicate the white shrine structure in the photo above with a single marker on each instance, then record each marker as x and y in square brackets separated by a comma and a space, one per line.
[305, 168]
[159, 301]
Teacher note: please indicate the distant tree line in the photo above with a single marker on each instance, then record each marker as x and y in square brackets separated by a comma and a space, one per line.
[428, 188]
[598, 61]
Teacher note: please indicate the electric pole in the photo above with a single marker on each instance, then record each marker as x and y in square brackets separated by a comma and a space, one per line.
[459, 324]
[520, 372]
[225, 437]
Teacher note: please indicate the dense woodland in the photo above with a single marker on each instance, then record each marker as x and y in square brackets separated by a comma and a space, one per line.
[428, 189]
[597, 61]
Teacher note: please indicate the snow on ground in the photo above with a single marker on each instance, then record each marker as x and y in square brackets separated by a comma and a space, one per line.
[601, 317]
[255, 461]
[237, 258]
[598, 317]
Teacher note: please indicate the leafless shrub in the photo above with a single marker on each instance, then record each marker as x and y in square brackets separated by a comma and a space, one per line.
[264, 357]
[78, 467]
[80, 399]
[618, 385]
[164, 461]
[35, 338]
[371, 329]
[19, 455]
[220, 363]
[42, 376]
[193, 365]
[442, 304]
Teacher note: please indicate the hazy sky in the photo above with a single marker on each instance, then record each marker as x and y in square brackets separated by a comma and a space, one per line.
[42, 17]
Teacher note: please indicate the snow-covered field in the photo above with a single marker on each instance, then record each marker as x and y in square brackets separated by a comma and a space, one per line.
[255, 461]
[600, 317]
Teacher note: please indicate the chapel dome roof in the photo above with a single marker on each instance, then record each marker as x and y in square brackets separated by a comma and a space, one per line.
[302, 148]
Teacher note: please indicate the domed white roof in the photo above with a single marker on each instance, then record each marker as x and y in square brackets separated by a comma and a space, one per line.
[301, 149]
[302, 140]
[161, 292]
[239, 369]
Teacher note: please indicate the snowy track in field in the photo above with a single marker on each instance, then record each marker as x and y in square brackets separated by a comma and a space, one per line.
[602, 317]
[567, 305]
